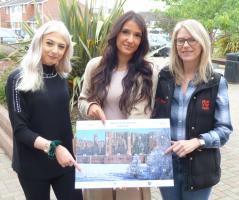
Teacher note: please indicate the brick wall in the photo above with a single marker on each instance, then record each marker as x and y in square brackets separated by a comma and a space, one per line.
[5, 18]
[51, 9]
[29, 12]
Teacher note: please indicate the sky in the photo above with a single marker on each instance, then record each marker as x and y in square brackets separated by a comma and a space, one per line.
[136, 5]
[142, 5]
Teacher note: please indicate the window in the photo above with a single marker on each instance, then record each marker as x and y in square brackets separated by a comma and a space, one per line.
[7, 10]
[23, 8]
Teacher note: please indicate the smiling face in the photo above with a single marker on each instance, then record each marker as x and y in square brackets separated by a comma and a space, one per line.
[189, 50]
[128, 39]
[53, 48]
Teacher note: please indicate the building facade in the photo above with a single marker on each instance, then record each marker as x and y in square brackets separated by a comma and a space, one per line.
[14, 12]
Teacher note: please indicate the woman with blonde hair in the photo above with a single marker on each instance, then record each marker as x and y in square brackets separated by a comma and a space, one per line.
[38, 105]
[195, 98]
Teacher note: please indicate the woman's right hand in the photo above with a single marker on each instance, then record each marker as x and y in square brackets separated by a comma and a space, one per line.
[96, 112]
[183, 147]
[64, 158]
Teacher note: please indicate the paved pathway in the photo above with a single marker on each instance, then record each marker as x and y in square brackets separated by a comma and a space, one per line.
[10, 188]
[227, 189]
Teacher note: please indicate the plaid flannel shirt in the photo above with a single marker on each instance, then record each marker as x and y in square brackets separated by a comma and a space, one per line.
[222, 129]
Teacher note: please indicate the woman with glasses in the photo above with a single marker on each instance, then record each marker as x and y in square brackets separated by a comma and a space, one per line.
[195, 98]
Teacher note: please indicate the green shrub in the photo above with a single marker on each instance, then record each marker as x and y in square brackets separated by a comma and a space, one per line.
[3, 80]
[227, 44]
[89, 32]
[2, 55]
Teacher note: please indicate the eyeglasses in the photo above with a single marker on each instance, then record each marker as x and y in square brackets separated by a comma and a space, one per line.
[190, 41]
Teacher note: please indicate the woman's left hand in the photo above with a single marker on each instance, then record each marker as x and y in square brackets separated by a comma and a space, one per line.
[183, 147]
[64, 158]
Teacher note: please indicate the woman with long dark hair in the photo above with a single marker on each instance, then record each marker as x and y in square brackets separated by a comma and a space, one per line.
[120, 85]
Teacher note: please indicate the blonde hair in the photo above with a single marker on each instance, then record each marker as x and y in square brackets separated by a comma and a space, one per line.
[31, 77]
[200, 34]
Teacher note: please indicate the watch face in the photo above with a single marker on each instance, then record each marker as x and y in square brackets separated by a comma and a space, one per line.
[46, 147]
[202, 142]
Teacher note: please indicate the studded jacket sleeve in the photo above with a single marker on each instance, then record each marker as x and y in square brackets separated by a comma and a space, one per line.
[18, 112]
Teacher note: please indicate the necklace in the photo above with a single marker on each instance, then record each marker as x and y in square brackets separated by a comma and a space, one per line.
[49, 75]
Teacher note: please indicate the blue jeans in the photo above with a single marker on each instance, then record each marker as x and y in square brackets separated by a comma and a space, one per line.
[178, 192]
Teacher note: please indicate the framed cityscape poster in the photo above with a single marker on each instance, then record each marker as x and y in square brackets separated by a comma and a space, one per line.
[123, 153]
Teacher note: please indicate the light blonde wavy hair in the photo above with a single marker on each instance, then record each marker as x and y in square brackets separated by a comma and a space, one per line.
[31, 76]
[200, 34]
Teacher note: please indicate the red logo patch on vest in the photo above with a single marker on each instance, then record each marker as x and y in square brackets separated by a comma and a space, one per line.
[205, 104]
[161, 101]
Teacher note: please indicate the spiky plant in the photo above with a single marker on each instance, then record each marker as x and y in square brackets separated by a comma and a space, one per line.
[89, 31]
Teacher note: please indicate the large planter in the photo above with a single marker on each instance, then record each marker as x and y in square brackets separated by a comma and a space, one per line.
[232, 68]
[4, 65]
[5, 132]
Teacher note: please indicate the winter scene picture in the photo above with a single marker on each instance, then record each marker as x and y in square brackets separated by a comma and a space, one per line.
[123, 153]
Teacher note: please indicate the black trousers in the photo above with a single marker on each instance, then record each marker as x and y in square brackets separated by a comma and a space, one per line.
[63, 186]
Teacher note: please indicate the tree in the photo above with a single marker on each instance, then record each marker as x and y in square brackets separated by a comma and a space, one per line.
[218, 16]
[164, 21]
[88, 29]
[134, 167]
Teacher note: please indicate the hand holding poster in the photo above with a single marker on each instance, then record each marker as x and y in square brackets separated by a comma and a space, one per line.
[123, 153]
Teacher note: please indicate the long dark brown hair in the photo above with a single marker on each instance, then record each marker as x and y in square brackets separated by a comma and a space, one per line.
[139, 76]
